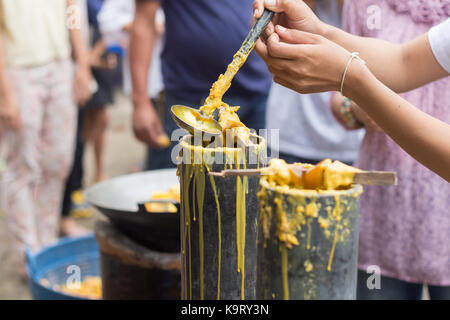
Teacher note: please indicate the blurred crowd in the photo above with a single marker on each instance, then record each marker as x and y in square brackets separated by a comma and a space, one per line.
[61, 62]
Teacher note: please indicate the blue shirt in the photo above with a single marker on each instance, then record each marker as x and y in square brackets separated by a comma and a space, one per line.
[200, 40]
[94, 7]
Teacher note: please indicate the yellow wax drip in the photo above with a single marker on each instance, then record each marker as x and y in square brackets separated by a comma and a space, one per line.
[196, 173]
[219, 254]
[200, 179]
[284, 272]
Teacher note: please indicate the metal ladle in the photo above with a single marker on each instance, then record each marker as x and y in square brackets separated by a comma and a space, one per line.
[192, 119]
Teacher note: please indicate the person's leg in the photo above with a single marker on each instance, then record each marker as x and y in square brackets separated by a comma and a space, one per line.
[68, 226]
[99, 143]
[96, 123]
[57, 147]
[439, 292]
[18, 181]
[391, 289]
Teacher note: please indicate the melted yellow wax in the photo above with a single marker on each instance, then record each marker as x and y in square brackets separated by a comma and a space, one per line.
[172, 194]
[195, 173]
[228, 119]
[231, 125]
[327, 178]
[222, 84]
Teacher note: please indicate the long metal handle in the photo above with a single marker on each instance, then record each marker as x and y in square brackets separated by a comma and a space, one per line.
[256, 31]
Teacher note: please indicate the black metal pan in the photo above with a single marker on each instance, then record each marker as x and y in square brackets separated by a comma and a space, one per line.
[123, 199]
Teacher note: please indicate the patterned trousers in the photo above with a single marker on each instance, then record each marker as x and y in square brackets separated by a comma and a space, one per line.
[38, 156]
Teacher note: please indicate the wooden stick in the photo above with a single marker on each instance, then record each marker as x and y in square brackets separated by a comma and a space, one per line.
[237, 173]
[364, 177]
[376, 178]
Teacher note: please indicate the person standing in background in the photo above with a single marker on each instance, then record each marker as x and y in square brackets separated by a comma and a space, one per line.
[115, 20]
[74, 202]
[38, 96]
[201, 38]
[403, 230]
[104, 69]
[308, 132]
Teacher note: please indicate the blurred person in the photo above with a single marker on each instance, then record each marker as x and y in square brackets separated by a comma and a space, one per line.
[409, 245]
[308, 131]
[92, 122]
[38, 96]
[115, 21]
[104, 69]
[201, 38]
[73, 198]
[396, 212]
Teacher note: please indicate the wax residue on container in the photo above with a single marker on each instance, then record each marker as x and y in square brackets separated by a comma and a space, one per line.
[241, 191]
[284, 272]
[194, 174]
[295, 202]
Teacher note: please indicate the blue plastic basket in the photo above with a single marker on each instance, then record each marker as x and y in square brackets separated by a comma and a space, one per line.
[52, 264]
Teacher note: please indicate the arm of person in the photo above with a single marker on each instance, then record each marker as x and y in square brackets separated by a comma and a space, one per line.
[424, 137]
[9, 109]
[309, 63]
[402, 67]
[83, 76]
[146, 124]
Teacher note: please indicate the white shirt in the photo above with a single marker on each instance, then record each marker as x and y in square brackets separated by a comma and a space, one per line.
[307, 127]
[112, 18]
[439, 37]
[36, 31]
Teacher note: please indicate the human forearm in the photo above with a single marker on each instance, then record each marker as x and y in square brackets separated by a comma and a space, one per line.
[141, 49]
[79, 49]
[5, 89]
[425, 138]
[401, 67]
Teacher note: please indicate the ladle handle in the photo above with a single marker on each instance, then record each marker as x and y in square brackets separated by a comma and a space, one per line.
[256, 31]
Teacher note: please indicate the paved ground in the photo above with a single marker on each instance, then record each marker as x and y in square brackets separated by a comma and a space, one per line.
[123, 155]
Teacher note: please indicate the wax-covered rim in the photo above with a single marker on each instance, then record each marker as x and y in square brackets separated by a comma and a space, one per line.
[184, 143]
[355, 189]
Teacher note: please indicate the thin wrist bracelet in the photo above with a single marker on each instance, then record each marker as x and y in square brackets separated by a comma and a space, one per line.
[354, 55]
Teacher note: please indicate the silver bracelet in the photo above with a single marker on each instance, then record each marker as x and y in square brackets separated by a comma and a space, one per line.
[354, 55]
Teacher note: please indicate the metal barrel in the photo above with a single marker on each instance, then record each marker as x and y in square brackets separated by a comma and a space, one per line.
[322, 265]
[219, 218]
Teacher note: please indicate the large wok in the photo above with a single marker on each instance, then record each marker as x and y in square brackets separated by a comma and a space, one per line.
[120, 199]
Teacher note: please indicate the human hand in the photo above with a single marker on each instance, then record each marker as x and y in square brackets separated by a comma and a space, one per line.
[9, 113]
[306, 62]
[98, 61]
[82, 85]
[147, 126]
[291, 14]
